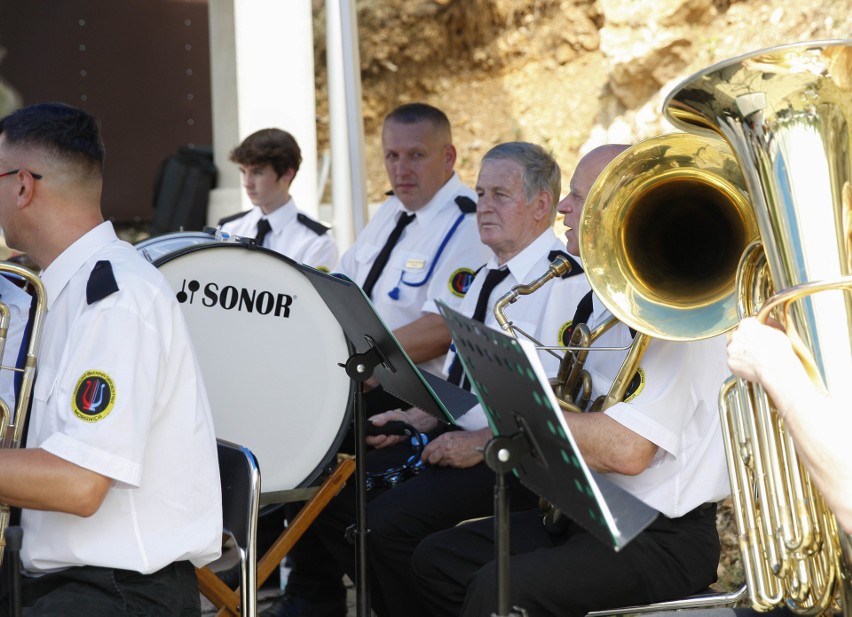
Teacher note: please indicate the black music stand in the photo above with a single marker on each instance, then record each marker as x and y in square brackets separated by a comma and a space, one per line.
[376, 351]
[532, 439]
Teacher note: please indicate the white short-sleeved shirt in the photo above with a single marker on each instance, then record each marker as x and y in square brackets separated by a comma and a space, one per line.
[413, 277]
[529, 312]
[293, 233]
[119, 392]
[672, 404]
[18, 302]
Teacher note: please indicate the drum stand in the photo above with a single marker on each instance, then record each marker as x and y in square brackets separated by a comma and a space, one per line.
[360, 368]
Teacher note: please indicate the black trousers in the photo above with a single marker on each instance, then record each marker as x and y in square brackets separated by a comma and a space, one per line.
[397, 518]
[401, 518]
[566, 574]
[109, 592]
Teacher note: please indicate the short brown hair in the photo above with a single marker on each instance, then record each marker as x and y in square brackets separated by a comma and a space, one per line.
[412, 113]
[269, 147]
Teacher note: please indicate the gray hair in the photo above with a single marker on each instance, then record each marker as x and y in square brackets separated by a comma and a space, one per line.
[541, 171]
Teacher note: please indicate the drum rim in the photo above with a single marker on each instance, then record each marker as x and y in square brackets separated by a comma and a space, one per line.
[327, 460]
[225, 245]
[174, 234]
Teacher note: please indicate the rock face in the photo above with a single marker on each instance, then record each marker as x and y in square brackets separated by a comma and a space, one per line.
[568, 74]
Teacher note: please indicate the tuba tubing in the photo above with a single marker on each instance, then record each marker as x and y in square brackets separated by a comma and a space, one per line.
[11, 429]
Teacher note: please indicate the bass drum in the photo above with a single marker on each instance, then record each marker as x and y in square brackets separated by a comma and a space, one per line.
[269, 350]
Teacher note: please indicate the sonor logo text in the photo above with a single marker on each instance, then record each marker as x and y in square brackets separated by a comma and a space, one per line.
[233, 298]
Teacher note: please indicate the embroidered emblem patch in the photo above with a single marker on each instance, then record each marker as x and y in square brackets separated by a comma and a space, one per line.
[637, 384]
[564, 335]
[94, 396]
[460, 281]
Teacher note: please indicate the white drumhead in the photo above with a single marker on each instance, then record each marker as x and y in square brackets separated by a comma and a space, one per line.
[269, 350]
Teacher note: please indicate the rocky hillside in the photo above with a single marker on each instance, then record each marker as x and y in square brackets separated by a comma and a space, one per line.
[568, 74]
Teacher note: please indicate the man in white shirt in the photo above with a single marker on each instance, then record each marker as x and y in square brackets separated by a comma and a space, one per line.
[269, 160]
[662, 444]
[438, 250]
[118, 481]
[422, 243]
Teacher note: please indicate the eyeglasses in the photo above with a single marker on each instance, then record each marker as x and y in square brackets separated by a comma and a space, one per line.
[14, 171]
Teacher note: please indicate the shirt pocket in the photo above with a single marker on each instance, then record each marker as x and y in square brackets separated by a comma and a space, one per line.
[365, 255]
[408, 271]
[43, 391]
[45, 383]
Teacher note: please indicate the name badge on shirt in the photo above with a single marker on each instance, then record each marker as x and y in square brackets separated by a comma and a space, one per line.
[415, 264]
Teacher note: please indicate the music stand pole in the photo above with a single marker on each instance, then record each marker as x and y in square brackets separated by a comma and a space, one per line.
[501, 455]
[360, 367]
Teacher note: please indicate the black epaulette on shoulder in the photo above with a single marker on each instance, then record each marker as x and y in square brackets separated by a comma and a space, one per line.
[101, 282]
[466, 204]
[232, 217]
[576, 268]
[315, 226]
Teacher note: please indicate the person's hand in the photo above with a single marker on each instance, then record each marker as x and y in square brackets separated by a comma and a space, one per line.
[757, 352]
[459, 449]
[371, 383]
[415, 417]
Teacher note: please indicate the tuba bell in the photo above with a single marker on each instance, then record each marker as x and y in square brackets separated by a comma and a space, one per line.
[12, 423]
[786, 113]
[661, 234]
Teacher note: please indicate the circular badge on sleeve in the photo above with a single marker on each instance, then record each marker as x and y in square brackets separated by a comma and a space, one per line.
[565, 332]
[94, 396]
[637, 384]
[460, 281]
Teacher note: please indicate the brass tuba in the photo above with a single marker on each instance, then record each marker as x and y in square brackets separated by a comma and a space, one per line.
[786, 114]
[12, 424]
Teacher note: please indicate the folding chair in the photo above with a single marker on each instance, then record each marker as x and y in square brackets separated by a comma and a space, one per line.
[253, 572]
[240, 478]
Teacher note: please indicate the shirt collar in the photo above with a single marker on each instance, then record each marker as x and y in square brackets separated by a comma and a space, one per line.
[600, 313]
[522, 264]
[56, 276]
[279, 217]
[439, 202]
